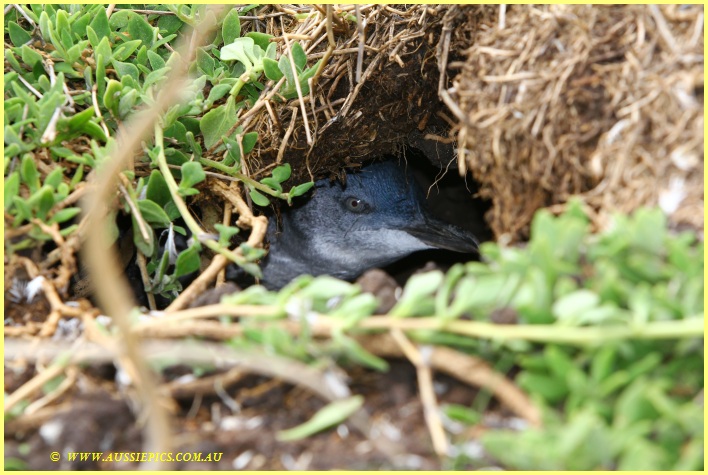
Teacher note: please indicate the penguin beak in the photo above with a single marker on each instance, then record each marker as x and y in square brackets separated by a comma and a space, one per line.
[440, 235]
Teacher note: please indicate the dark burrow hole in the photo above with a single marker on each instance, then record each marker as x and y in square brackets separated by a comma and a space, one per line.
[450, 198]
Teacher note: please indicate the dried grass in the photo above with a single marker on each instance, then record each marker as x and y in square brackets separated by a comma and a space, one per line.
[546, 102]
[605, 102]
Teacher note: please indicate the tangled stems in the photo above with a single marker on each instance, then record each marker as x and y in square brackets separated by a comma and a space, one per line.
[202, 236]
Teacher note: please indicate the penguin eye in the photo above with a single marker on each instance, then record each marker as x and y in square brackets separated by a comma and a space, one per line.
[356, 205]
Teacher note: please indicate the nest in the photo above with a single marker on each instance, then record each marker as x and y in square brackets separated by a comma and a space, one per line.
[603, 102]
[377, 86]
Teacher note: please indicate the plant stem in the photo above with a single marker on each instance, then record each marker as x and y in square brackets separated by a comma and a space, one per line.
[237, 87]
[172, 185]
[691, 327]
[231, 171]
[189, 220]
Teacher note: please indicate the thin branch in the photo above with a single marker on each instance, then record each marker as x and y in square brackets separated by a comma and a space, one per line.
[298, 88]
[431, 411]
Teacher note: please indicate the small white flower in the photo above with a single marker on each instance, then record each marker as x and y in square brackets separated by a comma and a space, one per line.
[170, 246]
[670, 199]
[123, 378]
[243, 460]
[51, 431]
[33, 288]
[336, 385]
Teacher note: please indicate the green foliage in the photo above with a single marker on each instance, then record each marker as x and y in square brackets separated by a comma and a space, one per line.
[332, 414]
[608, 402]
[53, 112]
[626, 404]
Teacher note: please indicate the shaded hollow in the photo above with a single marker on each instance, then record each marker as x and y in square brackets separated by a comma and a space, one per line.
[450, 198]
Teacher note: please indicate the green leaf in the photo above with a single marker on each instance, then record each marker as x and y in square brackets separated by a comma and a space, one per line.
[307, 74]
[231, 28]
[233, 157]
[192, 174]
[64, 215]
[205, 62]
[124, 50]
[282, 173]
[48, 104]
[300, 190]
[42, 201]
[187, 262]
[603, 363]
[126, 69]
[12, 60]
[217, 122]
[571, 306]
[354, 309]
[93, 38]
[76, 122]
[216, 93]
[332, 414]
[271, 69]
[61, 25]
[153, 213]
[284, 66]
[119, 20]
[45, 26]
[157, 189]
[140, 29]
[169, 24]
[177, 131]
[99, 24]
[103, 50]
[261, 39]
[299, 55]
[155, 77]
[30, 57]
[272, 183]
[193, 145]
[463, 414]
[551, 389]
[156, 61]
[146, 246]
[12, 188]
[163, 41]
[29, 173]
[101, 62]
[94, 130]
[126, 103]
[240, 50]
[642, 456]
[271, 51]
[62, 192]
[358, 354]
[325, 287]
[78, 26]
[18, 35]
[418, 288]
[78, 176]
[54, 178]
[111, 98]
[22, 208]
[226, 233]
[249, 141]
[258, 198]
